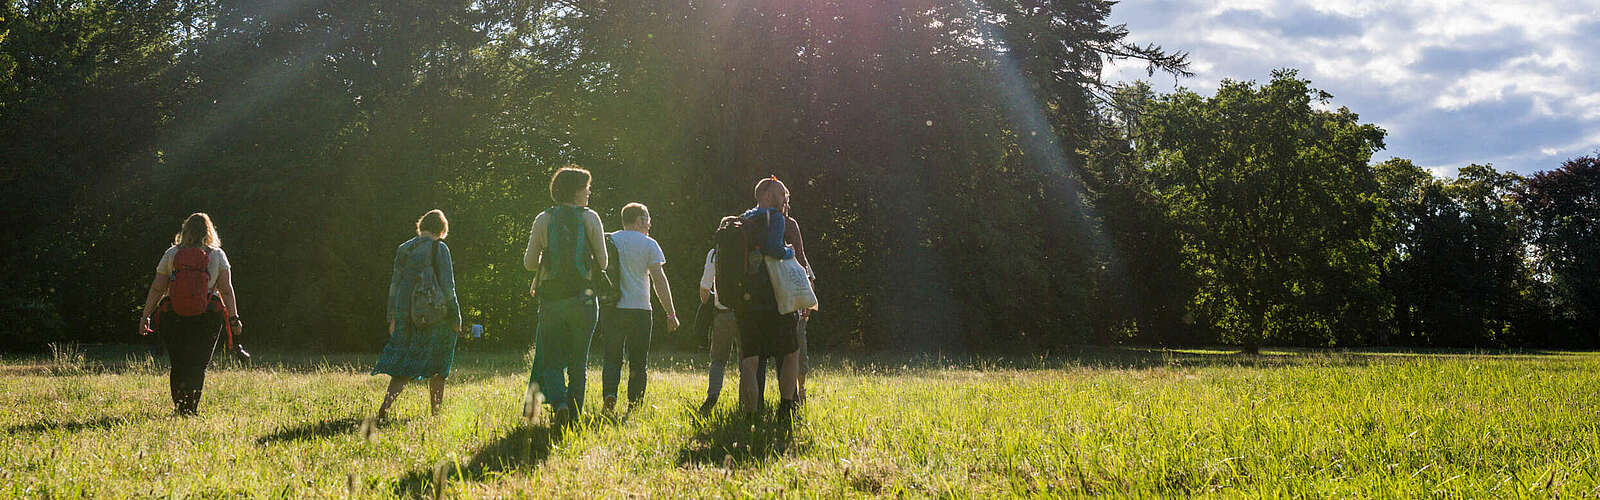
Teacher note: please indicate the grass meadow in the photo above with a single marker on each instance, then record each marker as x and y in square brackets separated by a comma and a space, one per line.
[1136, 423]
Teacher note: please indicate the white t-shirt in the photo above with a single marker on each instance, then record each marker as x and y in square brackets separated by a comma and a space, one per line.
[708, 278]
[636, 254]
[218, 262]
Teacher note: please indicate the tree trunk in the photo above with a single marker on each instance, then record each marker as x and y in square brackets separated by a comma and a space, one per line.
[1251, 341]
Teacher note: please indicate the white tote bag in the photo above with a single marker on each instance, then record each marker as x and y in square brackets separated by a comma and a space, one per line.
[791, 285]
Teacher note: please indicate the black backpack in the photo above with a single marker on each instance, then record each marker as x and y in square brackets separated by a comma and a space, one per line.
[742, 281]
[609, 290]
[564, 269]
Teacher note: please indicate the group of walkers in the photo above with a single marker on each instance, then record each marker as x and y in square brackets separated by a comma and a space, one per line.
[589, 285]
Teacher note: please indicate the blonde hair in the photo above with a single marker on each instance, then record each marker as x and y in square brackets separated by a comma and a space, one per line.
[197, 231]
[633, 211]
[434, 222]
[764, 185]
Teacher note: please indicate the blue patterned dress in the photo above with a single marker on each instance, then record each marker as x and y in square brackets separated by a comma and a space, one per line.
[412, 352]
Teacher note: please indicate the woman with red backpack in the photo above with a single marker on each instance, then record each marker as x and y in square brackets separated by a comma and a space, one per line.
[188, 302]
[424, 316]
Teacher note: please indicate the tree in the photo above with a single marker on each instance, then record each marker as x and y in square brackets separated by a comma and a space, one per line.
[1145, 287]
[82, 85]
[1403, 190]
[317, 131]
[1272, 199]
[1459, 274]
[900, 127]
[1563, 217]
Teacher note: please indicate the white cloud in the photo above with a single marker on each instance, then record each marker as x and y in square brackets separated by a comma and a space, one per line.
[1454, 81]
[1553, 92]
[1442, 171]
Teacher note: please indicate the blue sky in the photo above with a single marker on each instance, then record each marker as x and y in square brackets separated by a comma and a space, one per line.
[1515, 84]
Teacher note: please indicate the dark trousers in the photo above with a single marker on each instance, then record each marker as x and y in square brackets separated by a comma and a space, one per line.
[561, 350]
[625, 329]
[190, 342]
[724, 331]
[724, 334]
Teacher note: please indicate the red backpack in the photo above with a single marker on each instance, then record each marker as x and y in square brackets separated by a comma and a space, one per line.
[191, 281]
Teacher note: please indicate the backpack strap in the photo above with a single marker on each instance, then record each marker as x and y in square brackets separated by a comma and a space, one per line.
[549, 225]
[582, 240]
[207, 266]
[589, 257]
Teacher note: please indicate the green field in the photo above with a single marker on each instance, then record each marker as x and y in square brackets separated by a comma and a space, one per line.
[1113, 422]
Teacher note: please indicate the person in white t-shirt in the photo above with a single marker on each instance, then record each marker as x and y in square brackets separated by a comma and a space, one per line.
[724, 332]
[628, 325]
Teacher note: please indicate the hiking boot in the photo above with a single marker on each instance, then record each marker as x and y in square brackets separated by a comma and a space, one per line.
[610, 406]
[705, 408]
[786, 412]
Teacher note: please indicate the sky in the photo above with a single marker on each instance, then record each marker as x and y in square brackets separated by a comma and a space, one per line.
[1514, 84]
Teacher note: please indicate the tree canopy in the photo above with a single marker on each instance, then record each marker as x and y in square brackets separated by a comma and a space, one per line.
[965, 177]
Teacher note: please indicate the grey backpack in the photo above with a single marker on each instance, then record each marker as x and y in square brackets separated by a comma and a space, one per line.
[428, 302]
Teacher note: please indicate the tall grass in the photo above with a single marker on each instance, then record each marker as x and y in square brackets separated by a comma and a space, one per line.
[1120, 423]
[67, 359]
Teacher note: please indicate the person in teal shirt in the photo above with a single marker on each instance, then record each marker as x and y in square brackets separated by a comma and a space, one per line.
[565, 248]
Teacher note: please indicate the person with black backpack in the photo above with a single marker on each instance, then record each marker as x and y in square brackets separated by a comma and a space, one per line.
[567, 252]
[715, 320]
[190, 299]
[742, 281]
[424, 316]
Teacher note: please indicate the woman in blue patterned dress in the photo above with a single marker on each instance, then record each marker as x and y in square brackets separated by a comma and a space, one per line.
[413, 352]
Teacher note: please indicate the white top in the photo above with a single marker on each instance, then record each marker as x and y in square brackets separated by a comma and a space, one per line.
[218, 262]
[708, 278]
[637, 253]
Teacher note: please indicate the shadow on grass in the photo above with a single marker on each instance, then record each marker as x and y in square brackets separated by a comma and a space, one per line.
[43, 426]
[523, 447]
[729, 438]
[320, 429]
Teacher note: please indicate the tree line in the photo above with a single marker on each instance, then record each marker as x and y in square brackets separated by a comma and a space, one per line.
[966, 179]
